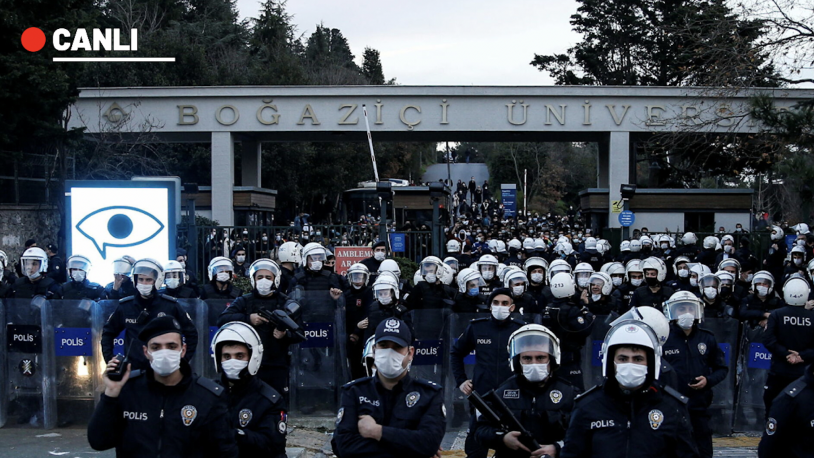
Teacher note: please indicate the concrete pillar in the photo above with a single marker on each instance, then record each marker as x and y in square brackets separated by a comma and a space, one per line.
[251, 163]
[223, 178]
[618, 171]
[602, 164]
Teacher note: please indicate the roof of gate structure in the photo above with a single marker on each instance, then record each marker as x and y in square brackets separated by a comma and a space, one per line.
[416, 113]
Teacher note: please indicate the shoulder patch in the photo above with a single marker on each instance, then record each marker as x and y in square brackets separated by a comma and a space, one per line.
[795, 387]
[479, 320]
[672, 392]
[169, 298]
[356, 382]
[585, 394]
[210, 385]
[135, 373]
[126, 299]
[269, 393]
[428, 383]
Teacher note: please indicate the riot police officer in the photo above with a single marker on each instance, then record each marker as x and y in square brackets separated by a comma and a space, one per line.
[690, 248]
[7, 276]
[681, 271]
[265, 277]
[357, 303]
[312, 276]
[516, 283]
[34, 264]
[535, 268]
[122, 284]
[788, 429]
[135, 312]
[487, 265]
[166, 409]
[431, 293]
[290, 256]
[79, 287]
[698, 362]
[759, 303]
[630, 414]
[379, 254]
[489, 337]
[599, 297]
[175, 279]
[654, 292]
[220, 286]
[468, 298]
[257, 412]
[390, 411]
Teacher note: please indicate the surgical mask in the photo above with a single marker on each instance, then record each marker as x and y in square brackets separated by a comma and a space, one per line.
[596, 297]
[165, 362]
[389, 362]
[665, 246]
[500, 312]
[636, 282]
[535, 372]
[264, 286]
[652, 281]
[488, 275]
[183, 264]
[683, 273]
[762, 291]
[386, 300]
[583, 282]
[473, 291]
[34, 276]
[617, 281]
[630, 375]
[693, 282]
[233, 367]
[798, 261]
[801, 242]
[686, 320]
[173, 283]
[316, 266]
[78, 276]
[749, 278]
[537, 278]
[518, 290]
[222, 277]
[144, 290]
[379, 256]
[729, 249]
[431, 278]
[710, 292]
[241, 258]
[265, 239]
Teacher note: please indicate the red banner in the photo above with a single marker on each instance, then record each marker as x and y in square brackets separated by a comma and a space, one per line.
[349, 255]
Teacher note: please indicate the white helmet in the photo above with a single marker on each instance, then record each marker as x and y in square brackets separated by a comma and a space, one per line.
[777, 233]
[564, 248]
[809, 268]
[632, 332]
[3, 259]
[446, 275]
[390, 265]
[700, 270]
[515, 244]
[152, 267]
[646, 240]
[467, 275]
[77, 261]
[453, 246]
[710, 242]
[634, 265]
[635, 246]
[763, 275]
[516, 276]
[709, 281]
[452, 263]
[590, 243]
[500, 246]
[582, 273]
[562, 285]
[607, 283]
[624, 246]
[679, 260]
[431, 265]
[240, 332]
[367, 356]
[528, 244]
[654, 263]
[385, 282]
[535, 261]
[557, 266]
[290, 252]
[34, 254]
[503, 270]
[123, 265]
[796, 291]
[533, 337]
[802, 229]
[689, 238]
[315, 251]
[219, 264]
[175, 267]
[358, 273]
[539, 244]
[683, 302]
[725, 278]
[651, 317]
[492, 244]
[265, 264]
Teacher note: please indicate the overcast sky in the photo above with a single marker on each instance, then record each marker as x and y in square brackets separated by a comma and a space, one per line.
[444, 42]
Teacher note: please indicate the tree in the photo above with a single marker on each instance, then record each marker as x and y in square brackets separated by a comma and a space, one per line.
[372, 67]
[329, 59]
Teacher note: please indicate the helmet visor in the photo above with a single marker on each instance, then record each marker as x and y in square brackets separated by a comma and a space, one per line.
[357, 277]
[223, 268]
[453, 264]
[121, 267]
[317, 256]
[709, 281]
[145, 270]
[429, 268]
[532, 341]
[78, 263]
[678, 308]
[31, 265]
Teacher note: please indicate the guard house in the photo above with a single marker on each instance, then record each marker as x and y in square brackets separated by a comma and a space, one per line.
[252, 206]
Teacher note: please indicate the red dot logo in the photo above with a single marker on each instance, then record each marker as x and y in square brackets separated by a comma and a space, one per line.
[33, 39]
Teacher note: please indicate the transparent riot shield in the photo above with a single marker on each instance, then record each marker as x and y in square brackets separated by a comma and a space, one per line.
[75, 362]
[723, 394]
[214, 308]
[428, 328]
[753, 366]
[31, 397]
[454, 400]
[99, 316]
[592, 351]
[319, 364]
[3, 367]
[197, 311]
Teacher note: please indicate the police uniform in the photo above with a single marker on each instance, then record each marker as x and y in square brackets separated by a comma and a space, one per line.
[126, 289]
[72, 290]
[132, 314]
[465, 303]
[210, 291]
[753, 308]
[608, 423]
[257, 413]
[788, 328]
[644, 296]
[691, 356]
[24, 288]
[572, 325]
[429, 296]
[790, 426]
[181, 292]
[544, 411]
[56, 269]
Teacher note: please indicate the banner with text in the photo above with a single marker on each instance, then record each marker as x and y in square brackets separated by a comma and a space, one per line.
[350, 255]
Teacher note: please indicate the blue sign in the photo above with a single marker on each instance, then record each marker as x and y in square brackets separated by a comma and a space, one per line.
[759, 357]
[428, 353]
[73, 342]
[509, 198]
[398, 242]
[626, 218]
[596, 353]
[320, 335]
[118, 344]
[727, 349]
[469, 360]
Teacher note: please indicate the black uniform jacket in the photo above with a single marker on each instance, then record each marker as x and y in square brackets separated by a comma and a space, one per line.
[790, 328]
[258, 411]
[489, 338]
[790, 427]
[694, 355]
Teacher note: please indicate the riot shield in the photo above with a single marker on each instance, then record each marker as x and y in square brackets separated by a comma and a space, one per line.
[428, 328]
[99, 316]
[454, 400]
[197, 312]
[723, 394]
[214, 308]
[319, 364]
[753, 365]
[31, 398]
[592, 351]
[75, 363]
[3, 371]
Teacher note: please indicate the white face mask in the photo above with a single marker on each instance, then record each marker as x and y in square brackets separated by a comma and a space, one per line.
[78, 276]
[535, 372]
[636, 282]
[537, 278]
[240, 258]
[385, 300]
[431, 278]
[729, 249]
[173, 283]
[798, 261]
[801, 242]
[630, 375]
[34, 276]
[749, 278]
[316, 266]
[233, 367]
[389, 362]
[379, 256]
[165, 362]
[686, 320]
[500, 312]
[222, 277]
[183, 264]
[583, 282]
[488, 275]
[144, 290]
[710, 292]
[665, 246]
[693, 282]
[596, 297]
[762, 291]
[683, 273]
[518, 290]
[616, 281]
[264, 286]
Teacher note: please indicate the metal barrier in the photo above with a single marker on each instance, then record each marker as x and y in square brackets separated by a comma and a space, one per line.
[753, 366]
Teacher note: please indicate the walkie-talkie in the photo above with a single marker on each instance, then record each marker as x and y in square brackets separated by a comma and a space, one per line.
[117, 373]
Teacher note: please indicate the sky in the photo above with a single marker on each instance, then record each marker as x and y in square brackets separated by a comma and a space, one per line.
[444, 42]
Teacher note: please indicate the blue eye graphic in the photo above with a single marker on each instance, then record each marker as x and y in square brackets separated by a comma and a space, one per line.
[118, 227]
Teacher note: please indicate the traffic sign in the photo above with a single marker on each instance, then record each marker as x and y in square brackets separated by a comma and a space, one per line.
[626, 218]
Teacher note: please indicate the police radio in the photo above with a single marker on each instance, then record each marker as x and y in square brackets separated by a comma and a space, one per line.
[118, 373]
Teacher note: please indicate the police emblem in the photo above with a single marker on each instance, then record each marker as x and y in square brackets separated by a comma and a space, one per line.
[281, 427]
[244, 417]
[656, 418]
[188, 414]
[771, 426]
[26, 367]
[632, 329]
[339, 415]
[412, 398]
[580, 320]
[392, 324]
[556, 396]
[444, 411]
[702, 348]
